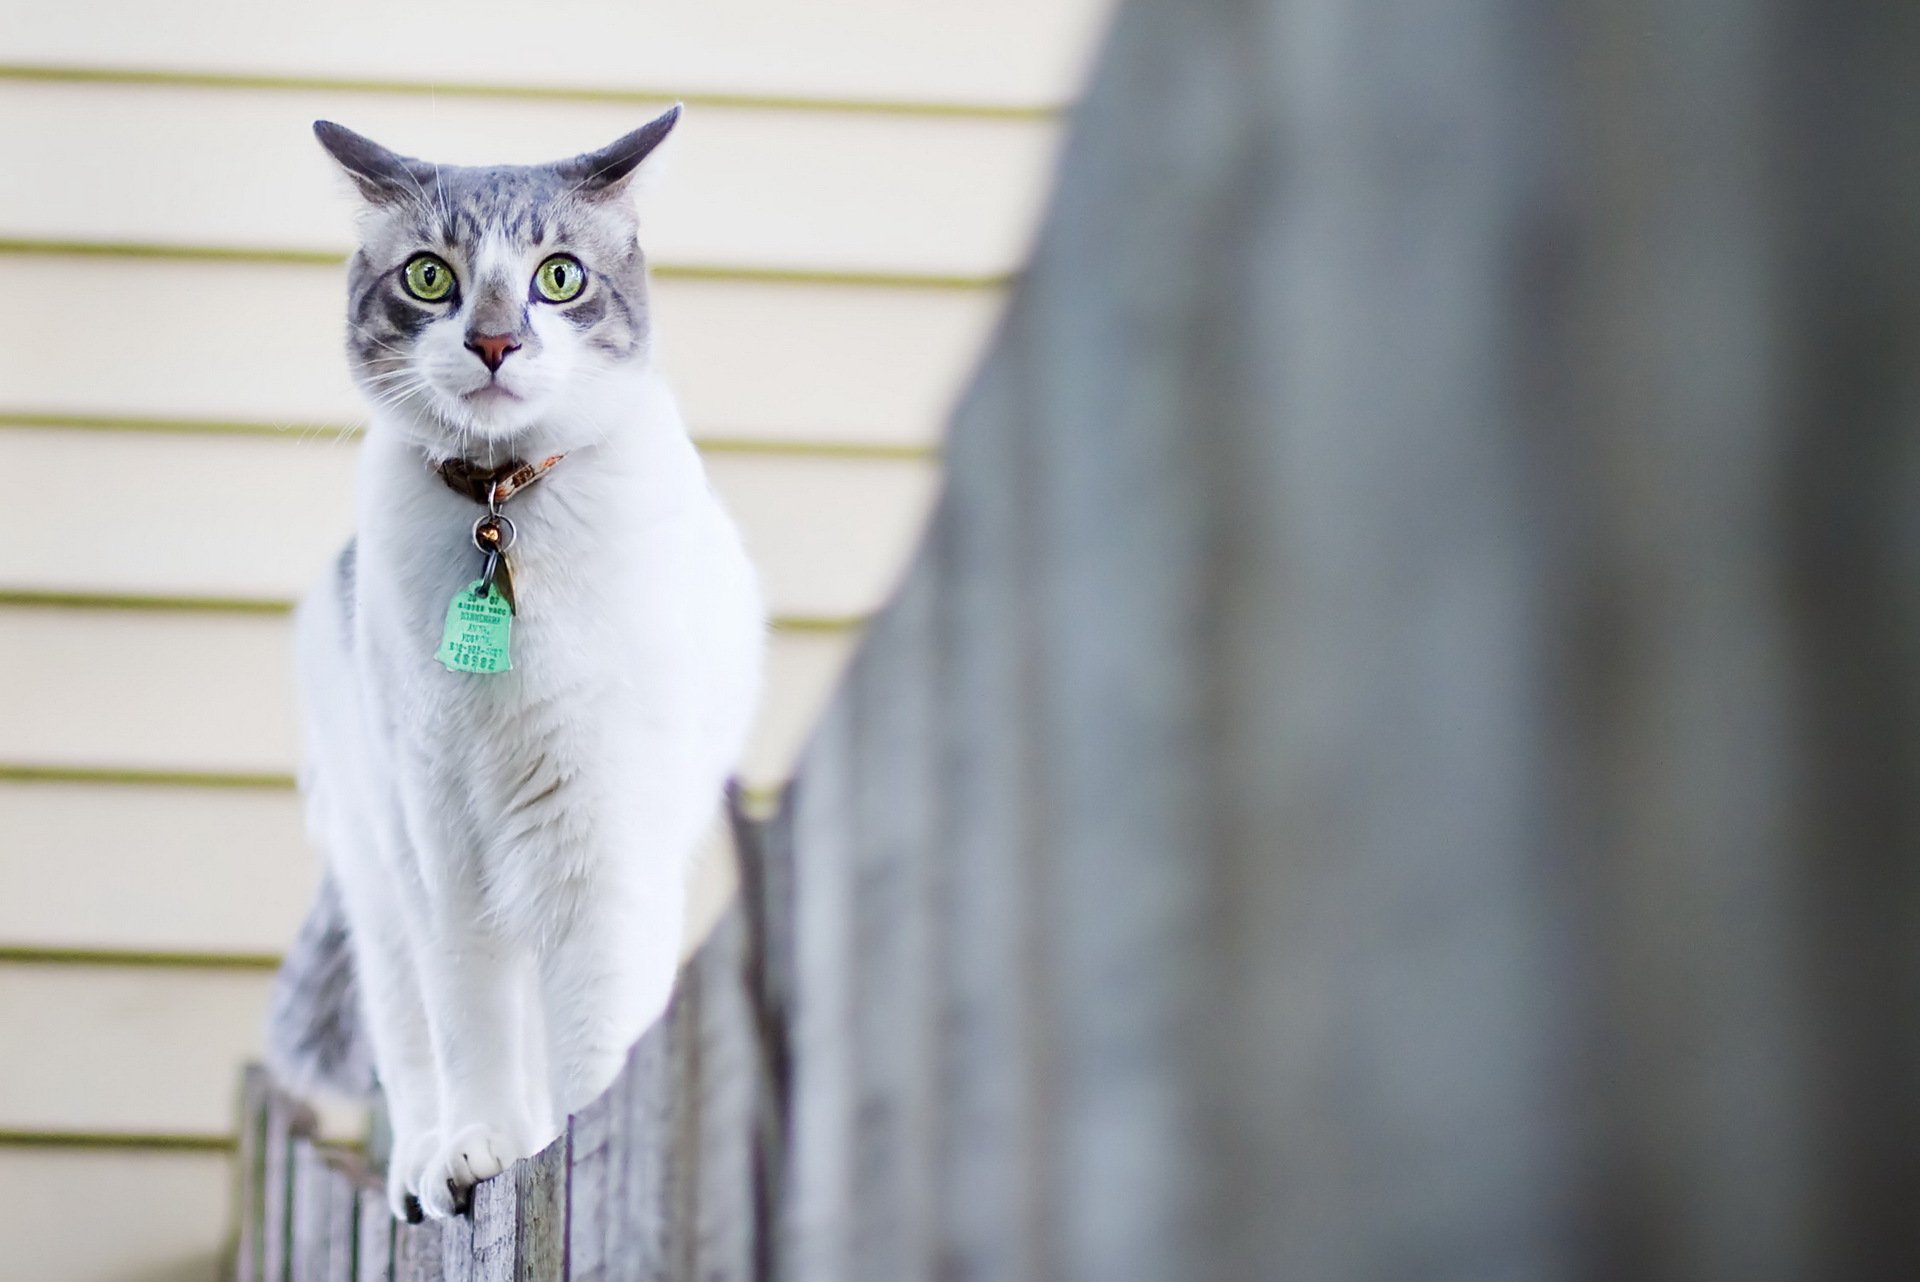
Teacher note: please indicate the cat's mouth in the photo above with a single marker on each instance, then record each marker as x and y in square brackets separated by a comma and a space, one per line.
[491, 394]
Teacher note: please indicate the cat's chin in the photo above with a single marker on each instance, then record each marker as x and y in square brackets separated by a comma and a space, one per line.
[491, 414]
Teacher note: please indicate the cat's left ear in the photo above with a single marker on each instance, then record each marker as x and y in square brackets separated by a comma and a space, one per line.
[382, 176]
[608, 170]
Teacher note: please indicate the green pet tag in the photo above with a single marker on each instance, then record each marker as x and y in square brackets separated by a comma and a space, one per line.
[475, 639]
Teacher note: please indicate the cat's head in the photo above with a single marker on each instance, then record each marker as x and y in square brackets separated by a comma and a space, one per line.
[485, 301]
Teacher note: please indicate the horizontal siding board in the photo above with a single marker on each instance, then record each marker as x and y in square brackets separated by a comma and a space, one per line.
[96, 1049]
[991, 53]
[94, 874]
[85, 1216]
[739, 188]
[160, 690]
[848, 364]
[171, 691]
[151, 869]
[151, 513]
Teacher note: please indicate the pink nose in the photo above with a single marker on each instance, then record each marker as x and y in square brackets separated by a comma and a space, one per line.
[492, 349]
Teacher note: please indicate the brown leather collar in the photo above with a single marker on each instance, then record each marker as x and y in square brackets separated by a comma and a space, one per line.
[495, 485]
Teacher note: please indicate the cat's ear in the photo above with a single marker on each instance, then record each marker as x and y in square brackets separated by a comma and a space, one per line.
[607, 171]
[381, 175]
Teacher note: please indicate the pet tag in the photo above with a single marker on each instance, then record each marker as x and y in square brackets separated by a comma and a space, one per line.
[479, 620]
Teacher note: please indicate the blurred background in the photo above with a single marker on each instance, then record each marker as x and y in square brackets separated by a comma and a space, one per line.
[832, 231]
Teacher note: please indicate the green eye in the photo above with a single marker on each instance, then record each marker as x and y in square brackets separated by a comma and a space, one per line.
[427, 278]
[560, 278]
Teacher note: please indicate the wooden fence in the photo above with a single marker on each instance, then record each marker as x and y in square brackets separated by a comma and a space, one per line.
[1399, 755]
[659, 1179]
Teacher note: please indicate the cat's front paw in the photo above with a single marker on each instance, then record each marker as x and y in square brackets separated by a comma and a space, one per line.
[471, 1154]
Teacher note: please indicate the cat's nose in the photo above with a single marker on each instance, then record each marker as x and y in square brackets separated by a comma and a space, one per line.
[492, 349]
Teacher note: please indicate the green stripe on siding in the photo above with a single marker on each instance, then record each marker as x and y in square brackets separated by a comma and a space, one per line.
[330, 258]
[721, 444]
[129, 601]
[140, 1141]
[121, 1141]
[546, 93]
[180, 253]
[23, 772]
[11, 955]
[180, 426]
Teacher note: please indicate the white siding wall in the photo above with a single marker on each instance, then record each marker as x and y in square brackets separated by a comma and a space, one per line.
[854, 182]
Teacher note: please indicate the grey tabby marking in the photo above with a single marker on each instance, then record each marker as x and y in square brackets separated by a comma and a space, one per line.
[316, 1039]
[343, 574]
[445, 209]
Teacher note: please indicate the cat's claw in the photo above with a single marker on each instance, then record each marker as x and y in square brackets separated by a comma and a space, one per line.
[404, 1166]
[474, 1153]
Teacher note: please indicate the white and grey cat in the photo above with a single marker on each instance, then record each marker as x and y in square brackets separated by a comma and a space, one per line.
[509, 849]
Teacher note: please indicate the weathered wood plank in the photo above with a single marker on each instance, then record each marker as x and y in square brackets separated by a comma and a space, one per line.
[638, 1213]
[764, 849]
[374, 1244]
[721, 1151]
[286, 1120]
[457, 1247]
[419, 1252]
[1109, 390]
[624, 1217]
[540, 1231]
[344, 1179]
[312, 1204]
[1748, 721]
[324, 1213]
[892, 1008]
[493, 1245]
[680, 1105]
[814, 1241]
[766, 898]
[593, 1171]
[986, 916]
[250, 1167]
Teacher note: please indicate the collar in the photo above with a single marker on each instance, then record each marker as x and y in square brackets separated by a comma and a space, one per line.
[492, 486]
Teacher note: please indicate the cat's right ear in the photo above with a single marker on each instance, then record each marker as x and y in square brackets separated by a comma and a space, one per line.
[382, 176]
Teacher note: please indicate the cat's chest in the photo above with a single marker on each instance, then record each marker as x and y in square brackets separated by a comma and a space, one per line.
[599, 613]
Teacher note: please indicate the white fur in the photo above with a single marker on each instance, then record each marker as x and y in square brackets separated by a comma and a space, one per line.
[513, 849]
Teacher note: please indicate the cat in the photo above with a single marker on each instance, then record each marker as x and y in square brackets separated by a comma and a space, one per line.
[508, 764]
